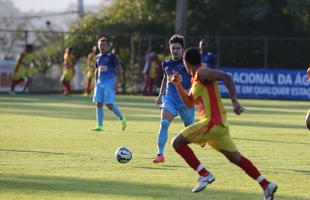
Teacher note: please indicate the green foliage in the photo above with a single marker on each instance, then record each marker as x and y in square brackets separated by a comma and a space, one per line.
[129, 23]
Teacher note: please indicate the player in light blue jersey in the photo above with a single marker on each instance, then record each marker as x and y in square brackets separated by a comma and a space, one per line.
[172, 105]
[107, 78]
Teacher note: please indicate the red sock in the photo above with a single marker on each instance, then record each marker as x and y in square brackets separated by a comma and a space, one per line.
[252, 171]
[67, 87]
[88, 85]
[191, 159]
[15, 82]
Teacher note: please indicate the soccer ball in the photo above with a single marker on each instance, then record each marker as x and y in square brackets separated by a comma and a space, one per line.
[123, 155]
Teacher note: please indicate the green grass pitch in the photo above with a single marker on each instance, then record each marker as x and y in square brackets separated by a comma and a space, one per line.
[47, 151]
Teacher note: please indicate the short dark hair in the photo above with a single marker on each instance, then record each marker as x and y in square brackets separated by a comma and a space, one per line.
[29, 46]
[192, 56]
[104, 39]
[177, 39]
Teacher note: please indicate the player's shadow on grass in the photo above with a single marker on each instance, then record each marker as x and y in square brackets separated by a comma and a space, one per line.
[271, 141]
[17, 183]
[162, 167]
[265, 124]
[276, 105]
[29, 151]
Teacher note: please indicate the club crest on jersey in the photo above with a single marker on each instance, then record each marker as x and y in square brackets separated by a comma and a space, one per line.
[103, 68]
[169, 78]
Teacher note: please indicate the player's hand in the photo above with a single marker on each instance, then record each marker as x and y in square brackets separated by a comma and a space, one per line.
[176, 78]
[158, 100]
[238, 109]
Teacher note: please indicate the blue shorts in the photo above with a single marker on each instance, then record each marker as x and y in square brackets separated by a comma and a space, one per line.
[178, 108]
[104, 94]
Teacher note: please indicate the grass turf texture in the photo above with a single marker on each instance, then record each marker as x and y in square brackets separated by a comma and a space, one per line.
[47, 151]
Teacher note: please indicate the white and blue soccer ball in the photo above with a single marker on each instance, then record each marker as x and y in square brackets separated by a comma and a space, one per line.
[123, 155]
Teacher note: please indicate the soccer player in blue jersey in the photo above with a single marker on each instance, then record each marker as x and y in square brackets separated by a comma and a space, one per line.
[171, 104]
[207, 56]
[107, 78]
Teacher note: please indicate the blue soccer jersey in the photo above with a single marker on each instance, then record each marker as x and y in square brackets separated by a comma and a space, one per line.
[209, 59]
[169, 66]
[106, 66]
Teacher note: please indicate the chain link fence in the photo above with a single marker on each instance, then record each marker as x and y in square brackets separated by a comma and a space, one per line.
[248, 52]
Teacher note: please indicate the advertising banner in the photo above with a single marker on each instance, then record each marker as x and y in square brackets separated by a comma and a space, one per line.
[269, 84]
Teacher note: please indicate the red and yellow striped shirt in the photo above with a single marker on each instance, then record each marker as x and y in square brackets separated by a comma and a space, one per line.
[208, 100]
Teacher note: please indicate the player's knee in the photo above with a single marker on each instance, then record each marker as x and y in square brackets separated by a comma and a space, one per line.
[178, 141]
[99, 105]
[110, 106]
[164, 124]
[175, 143]
[234, 158]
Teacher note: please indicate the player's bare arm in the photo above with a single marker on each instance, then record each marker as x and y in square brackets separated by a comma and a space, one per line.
[208, 74]
[185, 95]
[117, 71]
[162, 90]
[96, 75]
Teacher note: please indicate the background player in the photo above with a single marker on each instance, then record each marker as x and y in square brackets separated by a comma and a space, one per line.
[90, 70]
[107, 78]
[23, 68]
[213, 126]
[68, 70]
[172, 105]
[207, 56]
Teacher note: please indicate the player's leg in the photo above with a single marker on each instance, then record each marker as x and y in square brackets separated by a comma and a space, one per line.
[168, 112]
[98, 99]
[109, 99]
[166, 118]
[194, 134]
[151, 87]
[14, 83]
[146, 84]
[27, 82]
[187, 115]
[249, 168]
[66, 86]
[88, 86]
[114, 108]
[224, 143]
[18, 77]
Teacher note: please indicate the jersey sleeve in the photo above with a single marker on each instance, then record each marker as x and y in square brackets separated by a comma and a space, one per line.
[114, 60]
[163, 66]
[96, 62]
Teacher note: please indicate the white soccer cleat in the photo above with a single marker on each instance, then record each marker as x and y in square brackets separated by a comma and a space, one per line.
[203, 181]
[269, 191]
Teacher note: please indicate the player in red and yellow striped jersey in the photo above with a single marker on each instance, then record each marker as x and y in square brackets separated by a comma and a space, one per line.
[212, 127]
[68, 70]
[90, 69]
[24, 68]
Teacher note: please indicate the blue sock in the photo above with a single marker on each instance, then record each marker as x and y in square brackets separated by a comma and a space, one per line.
[162, 136]
[99, 116]
[116, 111]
